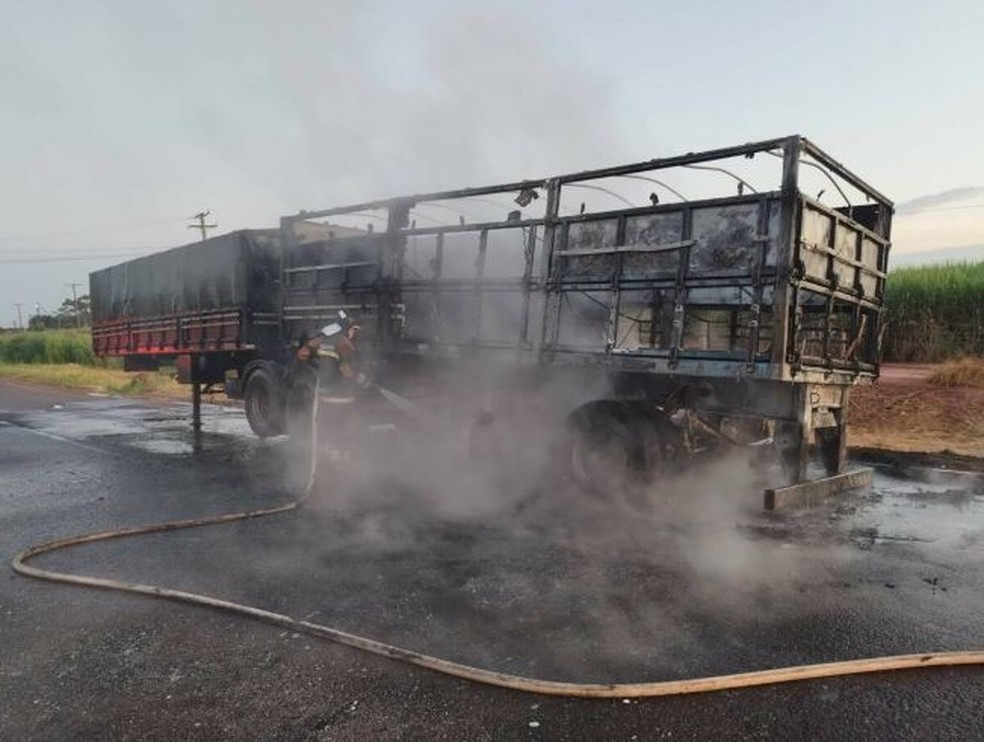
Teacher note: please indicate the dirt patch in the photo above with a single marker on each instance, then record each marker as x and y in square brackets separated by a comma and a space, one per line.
[906, 373]
[905, 411]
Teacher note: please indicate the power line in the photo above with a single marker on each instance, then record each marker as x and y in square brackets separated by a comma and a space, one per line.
[87, 249]
[72, 258]
[90, 230]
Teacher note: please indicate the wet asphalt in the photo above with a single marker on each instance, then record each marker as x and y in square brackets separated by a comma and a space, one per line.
[536, 580]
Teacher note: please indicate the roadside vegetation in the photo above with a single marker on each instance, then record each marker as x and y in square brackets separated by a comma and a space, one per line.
[47, 346]
[935, 313]
[64, 358]
[967, 371]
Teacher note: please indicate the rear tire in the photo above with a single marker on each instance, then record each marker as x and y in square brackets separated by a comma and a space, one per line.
[664, 445]
[621, 447]
[603, 449]
[263, 400]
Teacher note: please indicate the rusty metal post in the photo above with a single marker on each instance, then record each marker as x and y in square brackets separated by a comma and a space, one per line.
[550, 325]
[784, 305]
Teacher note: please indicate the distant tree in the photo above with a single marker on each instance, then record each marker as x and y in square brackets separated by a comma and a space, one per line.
[43, 322]
[85, 310]
[74, 311]
[66, 312]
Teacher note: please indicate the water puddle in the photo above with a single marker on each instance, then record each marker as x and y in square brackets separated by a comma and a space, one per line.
[903, 511]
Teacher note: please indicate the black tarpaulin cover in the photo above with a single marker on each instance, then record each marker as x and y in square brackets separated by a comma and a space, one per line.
[238, 270]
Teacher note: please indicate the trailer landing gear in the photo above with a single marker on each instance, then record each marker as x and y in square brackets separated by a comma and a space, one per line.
[196, 414]
[821, 419]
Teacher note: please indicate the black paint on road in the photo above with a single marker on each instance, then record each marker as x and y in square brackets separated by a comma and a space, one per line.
[544, 584]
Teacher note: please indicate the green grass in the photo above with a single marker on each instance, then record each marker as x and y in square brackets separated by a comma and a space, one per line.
[935, 312]
[65, 358]
[47, 346]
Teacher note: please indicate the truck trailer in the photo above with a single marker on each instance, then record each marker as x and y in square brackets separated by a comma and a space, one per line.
[647, 323]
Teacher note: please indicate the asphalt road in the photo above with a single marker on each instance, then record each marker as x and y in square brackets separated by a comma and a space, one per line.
[478, 569]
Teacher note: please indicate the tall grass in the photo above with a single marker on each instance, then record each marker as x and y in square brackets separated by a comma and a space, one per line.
[65, 358]
[935, 312]
[961, 372]
[47, 346]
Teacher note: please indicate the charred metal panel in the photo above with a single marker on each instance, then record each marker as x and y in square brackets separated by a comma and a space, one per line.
[873, 217]
[871, 284]
[586, 248]
[816, 235]
[726, 239]
[837, 298]
[710, 272]
[835, 251]
[653, 230]
[324, 276]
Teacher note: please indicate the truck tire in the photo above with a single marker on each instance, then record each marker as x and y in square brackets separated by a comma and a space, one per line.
[620, 448]
[263, 400]
[664, 448]
[603, 447]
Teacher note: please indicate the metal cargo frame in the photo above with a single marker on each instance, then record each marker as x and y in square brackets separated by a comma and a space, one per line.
[840, 261]
[802, 283]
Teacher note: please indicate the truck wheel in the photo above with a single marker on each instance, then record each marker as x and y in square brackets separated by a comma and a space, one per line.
[664, 447]
[264, 409]
[604, 448]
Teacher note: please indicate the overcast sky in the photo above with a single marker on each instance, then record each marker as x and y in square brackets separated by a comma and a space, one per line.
[121, 119]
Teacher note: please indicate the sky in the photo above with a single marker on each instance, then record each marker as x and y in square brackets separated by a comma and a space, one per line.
[122, 119]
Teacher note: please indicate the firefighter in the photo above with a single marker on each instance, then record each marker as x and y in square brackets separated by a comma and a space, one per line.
[331, 355]
[326, 365]
[344, 335]
[302, 381]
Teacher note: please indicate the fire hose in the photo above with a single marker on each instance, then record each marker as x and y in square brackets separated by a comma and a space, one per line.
[476, 674]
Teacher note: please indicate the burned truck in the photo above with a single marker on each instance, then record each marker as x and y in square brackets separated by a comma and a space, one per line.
[712, 295]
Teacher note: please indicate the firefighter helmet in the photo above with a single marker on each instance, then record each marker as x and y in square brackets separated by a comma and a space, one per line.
[341, 323]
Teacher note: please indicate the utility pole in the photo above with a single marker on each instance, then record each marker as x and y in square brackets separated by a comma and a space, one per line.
[75, 303]
[200, 217]
[20, 320]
